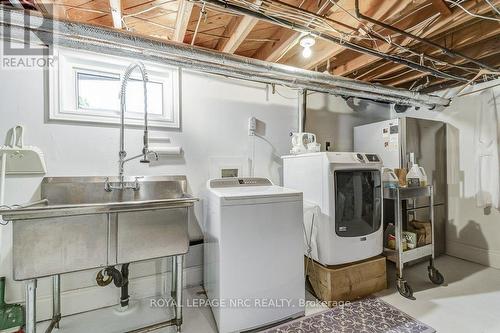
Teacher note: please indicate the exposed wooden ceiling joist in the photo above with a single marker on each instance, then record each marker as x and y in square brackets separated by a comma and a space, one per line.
[459, 40]
[380, 9]
[238, 29]
[441, 6]
[116, 13]
[438, 84]
[287, 38]
[457, 18]
[479, 51]
[183, 17]
[436, 20]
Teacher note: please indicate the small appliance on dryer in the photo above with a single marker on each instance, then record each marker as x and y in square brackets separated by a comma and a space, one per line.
[347, 189]
[253, 257]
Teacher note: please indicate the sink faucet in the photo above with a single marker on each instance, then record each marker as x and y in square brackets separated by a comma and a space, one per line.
[122, 154]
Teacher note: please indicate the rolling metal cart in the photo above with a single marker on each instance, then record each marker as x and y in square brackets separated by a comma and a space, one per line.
[401, 257]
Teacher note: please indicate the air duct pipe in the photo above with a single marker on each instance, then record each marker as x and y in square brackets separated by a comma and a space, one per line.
[107, 41]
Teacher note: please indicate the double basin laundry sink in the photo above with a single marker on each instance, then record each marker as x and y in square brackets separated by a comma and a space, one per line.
[82, 225]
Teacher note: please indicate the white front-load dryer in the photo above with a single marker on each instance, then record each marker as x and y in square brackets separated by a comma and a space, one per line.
[346, 190]
[253, 255]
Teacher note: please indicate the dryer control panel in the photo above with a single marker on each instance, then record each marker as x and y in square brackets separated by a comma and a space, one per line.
[367, 158]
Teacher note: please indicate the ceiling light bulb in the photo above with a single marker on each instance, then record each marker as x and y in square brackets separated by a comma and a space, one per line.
[306, 52]
[307, 41]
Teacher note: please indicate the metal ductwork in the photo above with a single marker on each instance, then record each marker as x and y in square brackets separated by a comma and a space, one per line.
[108, 41]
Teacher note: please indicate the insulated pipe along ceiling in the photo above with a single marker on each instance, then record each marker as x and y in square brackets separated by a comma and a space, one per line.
[107, 41]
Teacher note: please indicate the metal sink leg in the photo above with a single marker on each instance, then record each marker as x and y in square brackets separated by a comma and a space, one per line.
[56, 299]
[56, 303]
[177, 273]
[30, 294]
[173, 284]
[178, 291]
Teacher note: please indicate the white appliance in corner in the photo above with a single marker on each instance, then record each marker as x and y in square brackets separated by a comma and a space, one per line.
[346, 188]
[253, 255]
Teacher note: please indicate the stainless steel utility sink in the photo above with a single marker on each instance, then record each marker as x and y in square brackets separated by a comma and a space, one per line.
[84, 226]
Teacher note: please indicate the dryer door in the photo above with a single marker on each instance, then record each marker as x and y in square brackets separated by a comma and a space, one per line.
[358, 202]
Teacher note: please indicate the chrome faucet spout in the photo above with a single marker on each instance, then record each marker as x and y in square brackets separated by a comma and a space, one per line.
[123, 108]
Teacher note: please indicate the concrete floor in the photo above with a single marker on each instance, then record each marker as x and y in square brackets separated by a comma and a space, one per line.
[468, 302]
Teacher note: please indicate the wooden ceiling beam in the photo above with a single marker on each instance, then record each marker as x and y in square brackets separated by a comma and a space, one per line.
[440, 83]
[321, 50]
[457, 18]
[286, 38]
[116, 13]
[17, 4]
[478, 51]
[182, 21]
[441, 6]
[460, 39]
[320, 55]
[238, 29]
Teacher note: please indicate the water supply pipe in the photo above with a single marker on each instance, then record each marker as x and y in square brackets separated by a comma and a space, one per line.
[302, 108]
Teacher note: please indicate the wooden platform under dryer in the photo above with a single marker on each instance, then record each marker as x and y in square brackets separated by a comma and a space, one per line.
[347, 282]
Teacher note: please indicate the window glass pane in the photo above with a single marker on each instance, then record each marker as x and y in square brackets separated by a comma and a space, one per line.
[357, 202]
[98, 92]
[101, 92]
[135, 97]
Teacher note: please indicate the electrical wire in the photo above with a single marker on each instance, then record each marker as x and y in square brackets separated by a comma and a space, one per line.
[275, 11]
[492, 6]
[470, 13]
[202, 13]
[285, 97]
[149, 9]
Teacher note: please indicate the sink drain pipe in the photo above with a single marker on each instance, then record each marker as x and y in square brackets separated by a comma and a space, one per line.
[124, 288]
[119, 278]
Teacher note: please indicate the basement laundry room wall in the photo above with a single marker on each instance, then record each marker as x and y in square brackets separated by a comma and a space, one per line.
[215, 113]
[473, 229]
[333, 118]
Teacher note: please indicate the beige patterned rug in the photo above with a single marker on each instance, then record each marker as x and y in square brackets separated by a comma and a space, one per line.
[369, 315]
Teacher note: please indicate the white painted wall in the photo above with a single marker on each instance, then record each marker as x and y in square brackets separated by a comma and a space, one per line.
[472, 232]
[333, 118]
[215, 114]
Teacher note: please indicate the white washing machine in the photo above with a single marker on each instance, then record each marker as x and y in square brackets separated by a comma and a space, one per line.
[253, 255]
[346, 189]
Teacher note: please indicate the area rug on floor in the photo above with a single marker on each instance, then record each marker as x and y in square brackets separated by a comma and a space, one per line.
[369, 315]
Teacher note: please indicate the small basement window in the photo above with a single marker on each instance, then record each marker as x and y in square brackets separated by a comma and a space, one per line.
[86, 87]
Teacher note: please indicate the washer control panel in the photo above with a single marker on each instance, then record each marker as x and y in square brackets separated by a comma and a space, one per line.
[239, 182]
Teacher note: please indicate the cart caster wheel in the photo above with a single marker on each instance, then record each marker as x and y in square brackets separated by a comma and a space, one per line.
[405, 290]
[435, 276]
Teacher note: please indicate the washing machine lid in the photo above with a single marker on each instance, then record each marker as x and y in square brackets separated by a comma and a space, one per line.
[251, 190]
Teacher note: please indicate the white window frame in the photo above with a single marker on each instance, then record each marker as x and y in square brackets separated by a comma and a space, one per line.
[63, 93]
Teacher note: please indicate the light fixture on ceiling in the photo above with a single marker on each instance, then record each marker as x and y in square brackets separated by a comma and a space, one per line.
[306, 42]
